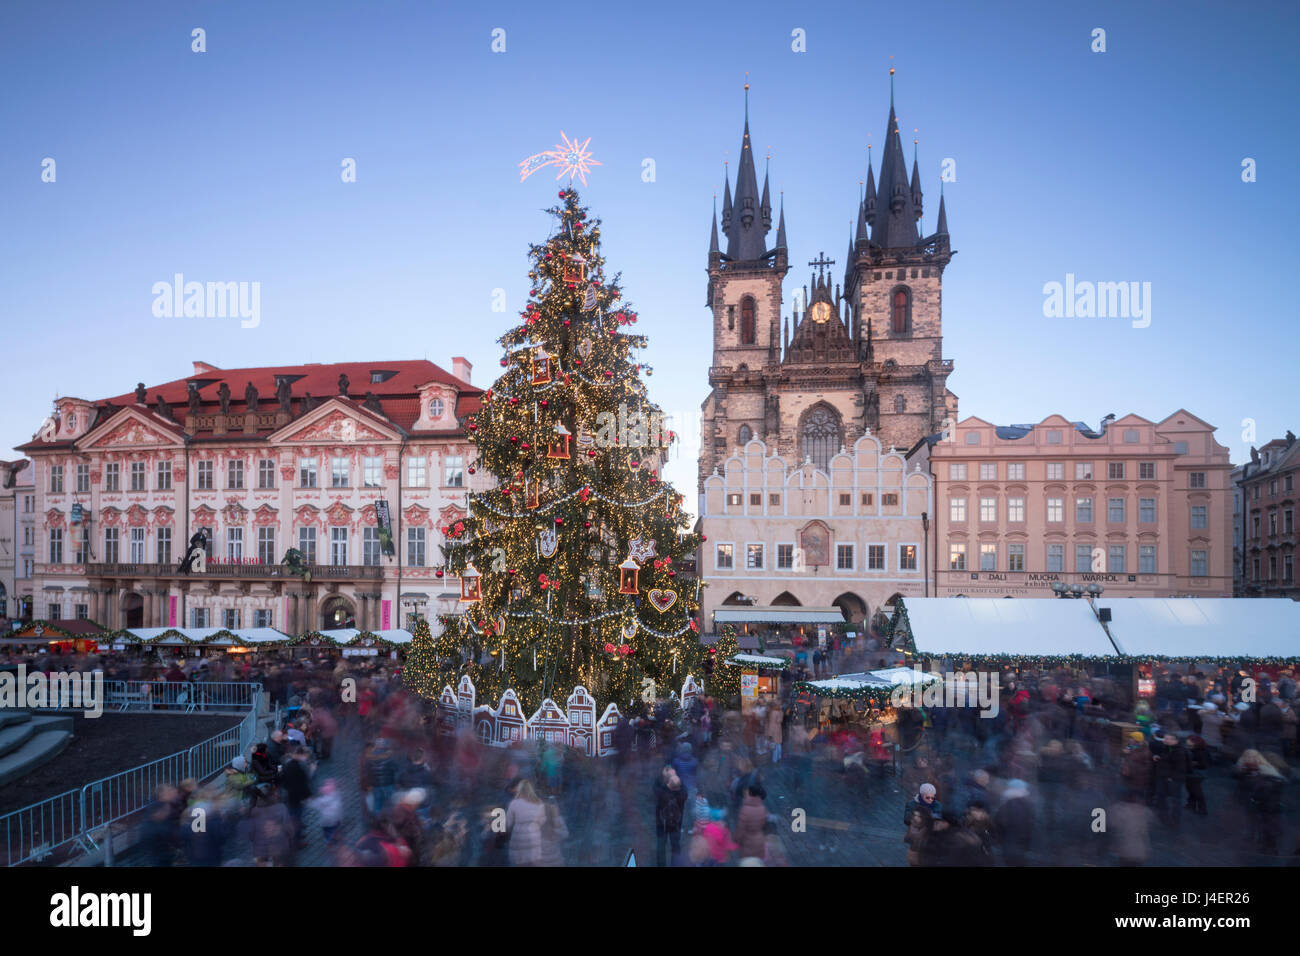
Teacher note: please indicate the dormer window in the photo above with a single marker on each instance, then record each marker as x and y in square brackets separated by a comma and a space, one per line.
[436, 408]
[378, 376]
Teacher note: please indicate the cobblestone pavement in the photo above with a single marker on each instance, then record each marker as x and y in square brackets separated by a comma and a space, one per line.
[850, 819]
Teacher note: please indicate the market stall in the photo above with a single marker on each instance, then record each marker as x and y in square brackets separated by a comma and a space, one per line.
[76, 636]
[856, 711]
[781, 624]
[352, 642]
[760, 677]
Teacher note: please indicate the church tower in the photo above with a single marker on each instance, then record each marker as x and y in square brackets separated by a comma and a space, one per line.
[894, 283]
[744, 296]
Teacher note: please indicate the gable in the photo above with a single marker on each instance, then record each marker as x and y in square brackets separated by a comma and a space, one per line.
[334, 425]
[128, 430]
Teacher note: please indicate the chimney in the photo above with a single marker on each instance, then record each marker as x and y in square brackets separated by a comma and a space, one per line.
[460, 367]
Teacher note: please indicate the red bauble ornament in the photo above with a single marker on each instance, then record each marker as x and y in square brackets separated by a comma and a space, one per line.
[532, 292]
[672, 574]
[566, 321]
[561, 193]
[438, 573]
[443, 529]
[559, 521]
[591, 453]
[543, 403]
[512, 571]
[586, 524]
[577, 361]
[525, 446]
[704, 537]
[473, 427]
[503, 363]
[471, 471]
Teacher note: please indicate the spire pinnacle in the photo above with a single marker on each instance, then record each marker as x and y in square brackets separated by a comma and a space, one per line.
[780, 228]
[713, 224]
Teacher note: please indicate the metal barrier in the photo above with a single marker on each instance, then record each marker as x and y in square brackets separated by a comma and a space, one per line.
[36, 832]
[180, 698]
[201, 697]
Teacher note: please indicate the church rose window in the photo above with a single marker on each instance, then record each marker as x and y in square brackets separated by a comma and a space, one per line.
[821, 437]
[747, 321]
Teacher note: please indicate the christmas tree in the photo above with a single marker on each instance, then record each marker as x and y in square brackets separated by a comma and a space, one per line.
[570, 566]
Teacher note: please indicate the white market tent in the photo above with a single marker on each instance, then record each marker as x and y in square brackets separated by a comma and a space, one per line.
[777, 614]
[999, 626]
[1204, 628]
[879, 680]
[342, 635]
[180, 636]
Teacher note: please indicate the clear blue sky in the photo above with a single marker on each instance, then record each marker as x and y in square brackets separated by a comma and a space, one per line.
[224, 166]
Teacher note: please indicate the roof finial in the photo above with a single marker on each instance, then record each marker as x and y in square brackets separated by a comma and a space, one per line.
[747, 98]
[891, 82]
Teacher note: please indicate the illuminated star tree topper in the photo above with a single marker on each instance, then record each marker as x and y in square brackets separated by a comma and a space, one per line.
[569, 155]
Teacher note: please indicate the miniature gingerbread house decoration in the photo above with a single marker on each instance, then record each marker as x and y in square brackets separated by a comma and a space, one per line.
[690, 690]
[465, 697]
[605, 730]
[512, 727]
[448, 711]
[485, 725]
[582, 721]
[549, 723]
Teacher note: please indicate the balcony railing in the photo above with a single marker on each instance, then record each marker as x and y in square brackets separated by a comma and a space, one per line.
[253, 571]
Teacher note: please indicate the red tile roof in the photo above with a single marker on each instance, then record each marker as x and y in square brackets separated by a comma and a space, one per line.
[397, 394]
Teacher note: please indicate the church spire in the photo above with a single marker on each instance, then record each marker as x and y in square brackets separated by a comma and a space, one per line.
[780, 228]
[726, 202]
[916, 182]
[871, 190]
[942, 229]
[894, 226]
[765, 207]
[748, 227]
[713, 223]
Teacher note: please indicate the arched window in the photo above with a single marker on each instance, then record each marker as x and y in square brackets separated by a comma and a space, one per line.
[901, 310]
[820, 436]
[900, 405]
[746, 433]
[747, 321]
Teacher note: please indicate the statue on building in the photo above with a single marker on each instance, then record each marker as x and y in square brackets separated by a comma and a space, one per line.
[343, 384]
[163, 410]
[192, 396]
[284, 395]
[140, 394]
[372, 403]
[250, 397]
[223, 396]
[308, 403]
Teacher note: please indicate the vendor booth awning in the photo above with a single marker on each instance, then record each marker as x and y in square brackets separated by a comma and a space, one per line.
[1002, 627]
[209, 636]
[1206, 628]
[777, 614]
[873, 685]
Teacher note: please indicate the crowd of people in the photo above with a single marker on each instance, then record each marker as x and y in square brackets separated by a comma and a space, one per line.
[1072, 769]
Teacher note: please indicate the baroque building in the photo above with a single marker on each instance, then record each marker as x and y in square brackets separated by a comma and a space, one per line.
[358, 466]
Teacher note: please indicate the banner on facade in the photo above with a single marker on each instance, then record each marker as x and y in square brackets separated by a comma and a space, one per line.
[385, 520]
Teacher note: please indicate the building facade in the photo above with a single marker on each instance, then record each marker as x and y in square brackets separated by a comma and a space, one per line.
[805, 497]
[9, 535]
[864, 356]
[1141, 508]
[261, 461]
[851, 536]
[25, 537]
[1267, 488]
